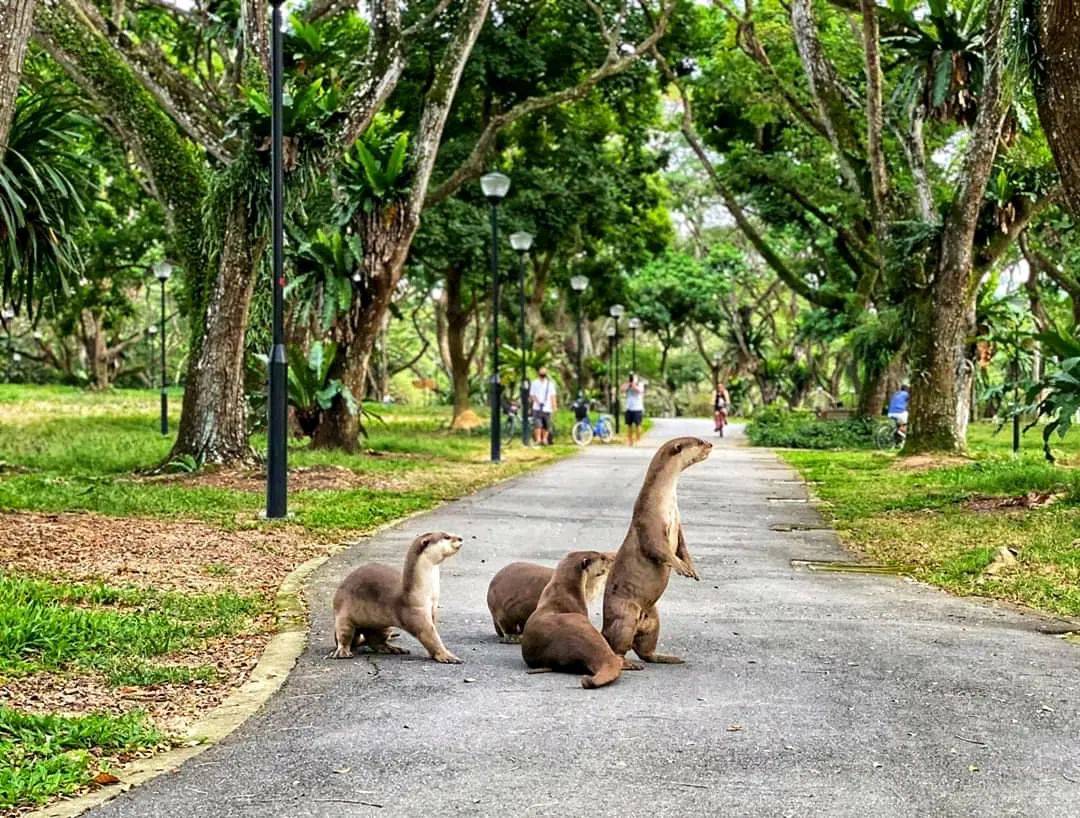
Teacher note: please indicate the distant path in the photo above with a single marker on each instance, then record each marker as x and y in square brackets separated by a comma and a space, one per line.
[806, 693]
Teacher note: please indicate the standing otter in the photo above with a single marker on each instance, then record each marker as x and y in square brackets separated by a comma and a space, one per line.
[559, 635]
[653, 546]
[515, 591]
[374, 599]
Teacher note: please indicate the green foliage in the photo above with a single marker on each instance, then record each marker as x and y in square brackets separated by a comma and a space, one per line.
[372, 171]
[311, 389]
[46, 755]
[326, 261]
[44, 177]
[1060, 389]
[782, 428]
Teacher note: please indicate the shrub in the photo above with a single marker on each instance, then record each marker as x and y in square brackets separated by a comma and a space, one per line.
[775, 426]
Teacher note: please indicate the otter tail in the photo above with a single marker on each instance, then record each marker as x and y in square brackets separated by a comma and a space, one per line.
[605, 675]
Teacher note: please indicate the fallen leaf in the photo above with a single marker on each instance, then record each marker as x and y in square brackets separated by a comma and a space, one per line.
[103, 779]
[734, 728]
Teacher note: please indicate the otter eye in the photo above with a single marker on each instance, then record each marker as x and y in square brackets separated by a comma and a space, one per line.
[585, 563]
[678, 448]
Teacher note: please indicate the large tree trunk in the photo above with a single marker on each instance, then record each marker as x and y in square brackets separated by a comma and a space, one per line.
[1057, 83]
[460, 353]
[386, 234]
[213, 426]
[16, 18]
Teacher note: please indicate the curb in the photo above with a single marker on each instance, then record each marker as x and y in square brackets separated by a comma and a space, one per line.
[266, 677]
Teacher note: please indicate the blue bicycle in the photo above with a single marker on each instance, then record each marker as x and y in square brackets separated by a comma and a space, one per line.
[585, 430]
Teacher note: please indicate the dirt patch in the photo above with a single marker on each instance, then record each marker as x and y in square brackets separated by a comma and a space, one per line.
[928, 462]
[304, 478]
[172, 707]
[181, 556]
[1024, 502]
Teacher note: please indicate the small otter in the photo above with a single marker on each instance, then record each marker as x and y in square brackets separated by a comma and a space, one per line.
[654, 545]
[514, 592]
[374, 599]
[559, 635]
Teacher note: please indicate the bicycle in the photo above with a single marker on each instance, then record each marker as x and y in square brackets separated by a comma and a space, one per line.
[888, 436]
[584, 431]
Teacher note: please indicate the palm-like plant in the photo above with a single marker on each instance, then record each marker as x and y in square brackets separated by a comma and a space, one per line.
[311, 390]
[44, 174]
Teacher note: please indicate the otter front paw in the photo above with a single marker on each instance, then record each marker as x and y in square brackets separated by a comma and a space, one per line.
[341, 652]
[685, 569]
[447, 658]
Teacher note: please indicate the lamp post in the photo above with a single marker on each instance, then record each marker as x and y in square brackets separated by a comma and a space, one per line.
[495, 187]
[151, 334]
[277, 432]
[634, 324]
[6, 314]
[616, 313]
[579, 284]
[162, 271]
[612, 332]
[522, 241]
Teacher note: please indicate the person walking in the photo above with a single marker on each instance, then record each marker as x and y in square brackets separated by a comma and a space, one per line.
[544, 398]
[634, 389]
[721, 402]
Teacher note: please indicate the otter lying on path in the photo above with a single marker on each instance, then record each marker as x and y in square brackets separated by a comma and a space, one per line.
[515, 591]
[559, 635]
[374, 599]
[654, 545]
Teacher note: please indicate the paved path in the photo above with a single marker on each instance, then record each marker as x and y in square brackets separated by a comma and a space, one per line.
[806, 693]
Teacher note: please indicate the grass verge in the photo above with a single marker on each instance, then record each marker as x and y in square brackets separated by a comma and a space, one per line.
[945, 523]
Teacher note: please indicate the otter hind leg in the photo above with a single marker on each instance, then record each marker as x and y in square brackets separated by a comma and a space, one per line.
[648, 634]
[607, 673]
[344, 635]
[620, 628]
[377, 642]
[419, 624]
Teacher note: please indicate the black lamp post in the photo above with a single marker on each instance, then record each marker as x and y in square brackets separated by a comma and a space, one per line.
[616, 313]
[162, 271]
[151, 334]
[612, 333]
[6, 315]
[495, 187]
[635, 325]
[579, 284]
[522, 241]
[277, 432]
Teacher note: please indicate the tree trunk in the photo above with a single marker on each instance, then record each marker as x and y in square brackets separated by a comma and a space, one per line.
[873, 392]
[460, 356]
[386, 234]
[16, 17]
[213, 426]
[1057, 83]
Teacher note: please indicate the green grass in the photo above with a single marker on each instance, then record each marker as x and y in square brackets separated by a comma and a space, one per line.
[919, 521]
[55, 625]
[42, 756]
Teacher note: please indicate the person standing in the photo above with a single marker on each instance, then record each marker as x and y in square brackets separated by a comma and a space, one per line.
[634, 389]
[721, 402]
[544, 398]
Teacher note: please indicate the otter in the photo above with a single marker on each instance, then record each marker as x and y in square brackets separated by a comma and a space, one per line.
[514, 592]
[559, 635]
[374, 599]
[653, 547]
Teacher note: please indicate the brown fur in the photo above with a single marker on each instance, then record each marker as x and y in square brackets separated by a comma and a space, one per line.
[515, 591]
[653, 546]
[559, 635]
[374, 599]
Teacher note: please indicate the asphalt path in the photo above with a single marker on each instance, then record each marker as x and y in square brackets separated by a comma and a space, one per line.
[804, 693]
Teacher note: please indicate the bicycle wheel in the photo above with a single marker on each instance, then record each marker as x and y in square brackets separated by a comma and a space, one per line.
[605, 430]
[885, 437]
[509, 428]
[582, 433]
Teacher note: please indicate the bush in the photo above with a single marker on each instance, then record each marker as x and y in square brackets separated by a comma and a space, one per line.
[774, 426]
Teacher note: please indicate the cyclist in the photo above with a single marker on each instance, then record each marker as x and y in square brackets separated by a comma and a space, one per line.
[721, 401]
[542, 393]
[898, 408]
[634, 389]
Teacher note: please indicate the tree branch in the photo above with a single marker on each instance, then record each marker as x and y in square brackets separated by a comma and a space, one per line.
[473, 165]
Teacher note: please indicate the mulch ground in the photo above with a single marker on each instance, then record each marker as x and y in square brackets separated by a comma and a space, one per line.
[174, 556]
[303, 478]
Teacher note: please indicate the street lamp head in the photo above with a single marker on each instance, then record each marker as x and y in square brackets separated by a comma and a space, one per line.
[495, 186]
[357, 277]
[521, 241]
[162, 270]
[611, 331]
[579, 283]
[616, 311]
[635, 323]
[16, 357]
[7, 313]
[716, 359]
[151, 330]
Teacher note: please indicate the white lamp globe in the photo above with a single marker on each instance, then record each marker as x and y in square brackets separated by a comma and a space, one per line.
[495, 186]
[521, 241]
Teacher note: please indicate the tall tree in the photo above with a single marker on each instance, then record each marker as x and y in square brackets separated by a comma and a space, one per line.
[16, 22]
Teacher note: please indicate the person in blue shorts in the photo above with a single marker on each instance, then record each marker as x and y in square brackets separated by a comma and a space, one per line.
[898, 407]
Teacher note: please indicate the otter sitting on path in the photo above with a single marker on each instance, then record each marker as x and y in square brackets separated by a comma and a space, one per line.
[374, 599]
[515, 591]
[654, 546]
[559, 635]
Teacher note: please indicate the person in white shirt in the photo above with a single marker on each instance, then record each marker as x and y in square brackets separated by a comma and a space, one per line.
[543, 396]
[634, 389]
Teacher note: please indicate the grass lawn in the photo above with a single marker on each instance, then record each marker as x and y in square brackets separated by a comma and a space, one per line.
[132, 601]
[938, 521]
